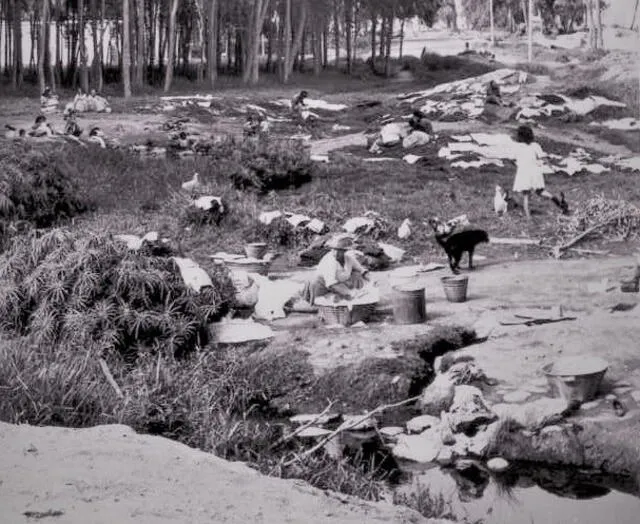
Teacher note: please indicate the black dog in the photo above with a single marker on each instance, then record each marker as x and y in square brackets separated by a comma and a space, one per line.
[457, 243]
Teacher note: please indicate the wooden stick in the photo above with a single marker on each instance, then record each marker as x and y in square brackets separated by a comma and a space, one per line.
[109, 377]
[353, 424]
[557, 250]
[515, 241]
[299, 430]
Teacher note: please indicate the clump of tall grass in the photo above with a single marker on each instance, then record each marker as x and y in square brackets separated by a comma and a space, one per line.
[34, 191]
[90, 291]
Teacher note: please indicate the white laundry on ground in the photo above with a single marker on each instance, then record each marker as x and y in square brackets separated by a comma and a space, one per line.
[192, 274]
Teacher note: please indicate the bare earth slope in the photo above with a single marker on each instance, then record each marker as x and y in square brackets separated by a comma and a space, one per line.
[110, 474]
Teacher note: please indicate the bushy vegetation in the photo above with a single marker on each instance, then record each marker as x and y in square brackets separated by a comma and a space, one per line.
[92, 292]
[263, 165]
[34, 191]
[449, 68]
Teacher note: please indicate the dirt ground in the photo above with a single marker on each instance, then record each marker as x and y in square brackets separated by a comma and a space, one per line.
[110, 474]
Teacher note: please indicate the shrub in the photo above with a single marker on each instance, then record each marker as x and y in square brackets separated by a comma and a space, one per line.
[263, 165]
[35, 191]
[92, 292]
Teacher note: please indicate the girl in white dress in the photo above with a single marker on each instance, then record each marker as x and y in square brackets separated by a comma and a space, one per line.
[529, 177]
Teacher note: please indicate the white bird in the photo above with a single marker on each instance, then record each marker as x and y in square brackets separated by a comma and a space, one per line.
[500, 201]
[404, 231]
[192, 184]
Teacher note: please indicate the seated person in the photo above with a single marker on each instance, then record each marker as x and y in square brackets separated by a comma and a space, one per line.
[493, 94]
[419, 122]
[98, 103]
[297, 104]
[41, 128]
[72, 128]
[338, 273]
[48, 101]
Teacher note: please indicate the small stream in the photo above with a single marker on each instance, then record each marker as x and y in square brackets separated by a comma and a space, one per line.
[528, 494]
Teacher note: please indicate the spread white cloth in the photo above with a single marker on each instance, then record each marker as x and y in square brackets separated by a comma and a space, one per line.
[529, 167]
[192, 274]
[333, 272]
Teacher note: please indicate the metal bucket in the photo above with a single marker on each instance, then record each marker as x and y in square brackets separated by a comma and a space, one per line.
[576, 378]
[455, 287]
[409, 304]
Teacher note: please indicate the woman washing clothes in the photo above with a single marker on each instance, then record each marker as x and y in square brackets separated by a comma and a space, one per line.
[338, 273]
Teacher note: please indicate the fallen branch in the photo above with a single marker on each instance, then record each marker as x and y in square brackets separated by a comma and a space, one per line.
[589, 251]
[557, 250]
[349, 426]
[109, 377]
[515, 241]
[299, 430]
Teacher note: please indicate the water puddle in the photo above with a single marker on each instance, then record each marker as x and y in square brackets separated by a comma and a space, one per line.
[525, 494]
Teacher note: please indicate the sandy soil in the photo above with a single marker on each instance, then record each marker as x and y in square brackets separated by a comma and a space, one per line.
[110, 474]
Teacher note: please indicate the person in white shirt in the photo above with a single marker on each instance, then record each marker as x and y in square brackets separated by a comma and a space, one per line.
[337, 273]
[529, 176]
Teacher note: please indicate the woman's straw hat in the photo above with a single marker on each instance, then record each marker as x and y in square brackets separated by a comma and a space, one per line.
[340, 242]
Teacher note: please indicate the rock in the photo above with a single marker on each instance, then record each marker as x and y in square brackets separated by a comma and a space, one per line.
[445, 457]
[419, 424]
[437, 365]
[469, 410]
[532, 413]
[550, 429]
[590, 405]
[393, 133]
[540, 382]
[635, 395]
[416, 138]
[424, 447]
[610, 397]
[516, 396]
[497, 464]
[313, 432]
[450, 359]
[367, 424]
[321, 420]
[391, 431]
[437, 396]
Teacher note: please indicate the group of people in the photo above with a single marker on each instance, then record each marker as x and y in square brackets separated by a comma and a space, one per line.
[257, 125]
[81, 103]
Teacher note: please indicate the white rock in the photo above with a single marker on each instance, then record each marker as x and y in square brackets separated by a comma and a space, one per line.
[532, 413]
[424, 447]
[469, 409]
[516, 396]
[419, 424]
[437, 396]
[635, 395]
[416, 138]
[550, 429]
[590, 405]
[313, 432]
[349, 420]
[319, 419]
[391, 431]
[497, 464]
[445, 457]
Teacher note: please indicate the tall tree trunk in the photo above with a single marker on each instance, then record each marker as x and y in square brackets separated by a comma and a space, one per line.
[251, 71]
[286, 40]
[383, 35]
[336, 30]
[138, 77]
[348, 19]
[325, 43]
[317, 46]
[16, 72]
[402, 22]
[374, 27]
[33, 38]
[126, 49]
[633, 18]
[387, 51]
[42, 45]
[103, 28]
[84, 71]
[297, 41]
[212, 43]
[599, 35]
[171, 51]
